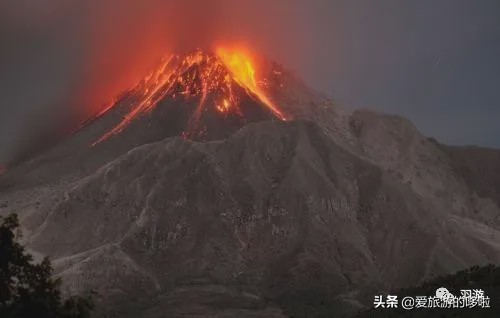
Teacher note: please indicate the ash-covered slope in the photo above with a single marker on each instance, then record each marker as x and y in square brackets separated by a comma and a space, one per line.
[447, 176]
[480, 168]
[277, 212]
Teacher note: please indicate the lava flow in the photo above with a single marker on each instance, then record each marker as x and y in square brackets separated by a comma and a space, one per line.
[201, 75]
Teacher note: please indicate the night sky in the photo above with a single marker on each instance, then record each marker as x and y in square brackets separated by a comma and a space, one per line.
[436, 62]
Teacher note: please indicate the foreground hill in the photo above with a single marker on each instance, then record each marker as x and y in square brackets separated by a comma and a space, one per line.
[276, 219]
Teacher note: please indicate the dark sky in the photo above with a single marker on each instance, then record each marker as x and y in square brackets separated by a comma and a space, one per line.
[436, 62]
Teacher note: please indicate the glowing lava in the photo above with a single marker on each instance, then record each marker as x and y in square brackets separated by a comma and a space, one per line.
[201, 75]
[240, 64]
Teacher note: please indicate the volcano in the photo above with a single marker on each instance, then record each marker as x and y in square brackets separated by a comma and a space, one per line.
[198, 95]
[220, 188]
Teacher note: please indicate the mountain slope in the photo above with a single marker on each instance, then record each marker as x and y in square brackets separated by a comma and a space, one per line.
[480, 168]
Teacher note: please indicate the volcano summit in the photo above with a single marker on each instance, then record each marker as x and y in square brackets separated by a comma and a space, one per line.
[224, 82]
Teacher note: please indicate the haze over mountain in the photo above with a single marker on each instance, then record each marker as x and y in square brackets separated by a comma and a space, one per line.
[278, 203]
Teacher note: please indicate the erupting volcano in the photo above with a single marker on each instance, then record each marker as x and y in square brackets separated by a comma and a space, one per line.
[221, 185]
[221, 82]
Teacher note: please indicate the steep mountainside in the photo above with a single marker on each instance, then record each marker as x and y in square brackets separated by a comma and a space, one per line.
[480, 169]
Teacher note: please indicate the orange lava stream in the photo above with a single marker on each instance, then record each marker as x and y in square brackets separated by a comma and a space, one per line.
[147, 91]
[243, 70]
[196, 74]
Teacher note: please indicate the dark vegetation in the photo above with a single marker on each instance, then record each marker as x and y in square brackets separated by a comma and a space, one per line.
[315, 303]
[486, 278]
[27, 289]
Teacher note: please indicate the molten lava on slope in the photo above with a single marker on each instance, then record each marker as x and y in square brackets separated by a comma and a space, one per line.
[217, 80]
